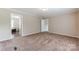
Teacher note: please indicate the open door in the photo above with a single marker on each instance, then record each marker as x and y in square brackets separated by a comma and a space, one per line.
[16, 25]
[44, 25]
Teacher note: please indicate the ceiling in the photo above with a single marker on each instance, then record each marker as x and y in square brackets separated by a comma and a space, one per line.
[48, 13]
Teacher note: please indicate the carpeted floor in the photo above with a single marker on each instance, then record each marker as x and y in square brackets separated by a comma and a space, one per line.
[41, 42]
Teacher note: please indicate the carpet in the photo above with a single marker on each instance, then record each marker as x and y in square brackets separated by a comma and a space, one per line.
[43, 41]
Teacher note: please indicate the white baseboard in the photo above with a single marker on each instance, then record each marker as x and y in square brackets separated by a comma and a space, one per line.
[65, 35]
[29, 34]
[4, 39]
[34, 33]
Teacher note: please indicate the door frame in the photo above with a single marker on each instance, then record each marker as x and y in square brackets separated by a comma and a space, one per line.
[21, 31]
[41, 25]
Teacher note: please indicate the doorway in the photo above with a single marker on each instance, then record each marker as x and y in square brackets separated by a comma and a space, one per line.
[16, 25]
[44, 25]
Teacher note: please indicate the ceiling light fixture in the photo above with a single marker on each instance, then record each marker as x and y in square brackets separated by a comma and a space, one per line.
[44, 9]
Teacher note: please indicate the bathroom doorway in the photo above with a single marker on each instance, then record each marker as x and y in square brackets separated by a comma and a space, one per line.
[16, 25]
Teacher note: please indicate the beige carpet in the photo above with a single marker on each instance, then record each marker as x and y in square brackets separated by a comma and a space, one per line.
[41, 42]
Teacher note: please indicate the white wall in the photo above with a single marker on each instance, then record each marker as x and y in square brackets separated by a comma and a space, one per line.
[5, 32]
[64, 25]
[77, 24]
[31, 24]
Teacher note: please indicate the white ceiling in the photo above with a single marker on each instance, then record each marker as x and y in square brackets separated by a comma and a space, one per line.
[49, 13]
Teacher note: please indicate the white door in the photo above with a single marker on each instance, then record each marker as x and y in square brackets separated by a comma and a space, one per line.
[44, 25]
